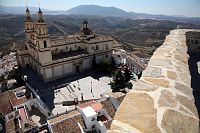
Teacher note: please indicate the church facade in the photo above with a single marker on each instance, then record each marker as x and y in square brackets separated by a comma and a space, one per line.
[56, 57]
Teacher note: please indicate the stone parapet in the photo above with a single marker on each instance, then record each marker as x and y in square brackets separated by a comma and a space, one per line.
[162, 100]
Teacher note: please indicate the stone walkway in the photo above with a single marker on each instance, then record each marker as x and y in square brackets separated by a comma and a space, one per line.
[67, 89]
[162, 101]
[75, 88]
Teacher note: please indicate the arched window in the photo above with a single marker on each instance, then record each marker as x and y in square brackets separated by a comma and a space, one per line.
[37, 43]
[44, 31]
[45, 44]
[27, 26]
[39, 31]
[32, 26]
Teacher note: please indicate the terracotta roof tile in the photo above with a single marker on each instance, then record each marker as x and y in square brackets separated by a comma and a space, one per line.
[12, 126]
[107, 124]
[83, 105]
[60, 117]
[108, 106]
[5, 105]
[118, 95]
[96, 106]
[67, 123]
[17, 100]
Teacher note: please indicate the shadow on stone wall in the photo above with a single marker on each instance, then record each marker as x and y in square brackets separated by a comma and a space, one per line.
[195, 78]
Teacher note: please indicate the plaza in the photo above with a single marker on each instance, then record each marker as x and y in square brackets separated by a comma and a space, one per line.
[83, 87]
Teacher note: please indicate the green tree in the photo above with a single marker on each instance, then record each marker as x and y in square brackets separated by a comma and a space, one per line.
[127, 73]
[119, 81]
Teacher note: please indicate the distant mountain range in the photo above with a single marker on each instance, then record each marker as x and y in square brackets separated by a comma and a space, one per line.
[96, 10]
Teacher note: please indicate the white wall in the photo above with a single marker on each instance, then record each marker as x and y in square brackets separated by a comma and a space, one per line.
[101, 127]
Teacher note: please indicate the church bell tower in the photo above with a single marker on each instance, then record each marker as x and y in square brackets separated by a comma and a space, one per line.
[42, 36]
[42, 40]
[29, 25]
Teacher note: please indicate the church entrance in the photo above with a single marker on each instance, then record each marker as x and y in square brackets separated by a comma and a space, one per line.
[77, 69]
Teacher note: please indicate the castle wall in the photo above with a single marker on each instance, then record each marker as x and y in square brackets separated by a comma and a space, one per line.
[162, 100]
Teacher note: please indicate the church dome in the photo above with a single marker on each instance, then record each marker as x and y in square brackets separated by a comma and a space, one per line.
[85, 22]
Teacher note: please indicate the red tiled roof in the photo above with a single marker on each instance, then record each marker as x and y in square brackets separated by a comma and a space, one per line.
[96, 106]
[5, 105]
[83, 105]
[67, 123]
[108, 106]
[17, 101]
[12, 126]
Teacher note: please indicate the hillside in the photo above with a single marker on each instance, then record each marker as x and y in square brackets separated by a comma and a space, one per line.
[141, 34]
[100, 11]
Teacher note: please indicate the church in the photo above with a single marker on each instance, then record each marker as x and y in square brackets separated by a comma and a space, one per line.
[56, 57]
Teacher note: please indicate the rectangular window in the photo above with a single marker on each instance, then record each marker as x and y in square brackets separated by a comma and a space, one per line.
[45, 44]
[97, 47]
[107, 47]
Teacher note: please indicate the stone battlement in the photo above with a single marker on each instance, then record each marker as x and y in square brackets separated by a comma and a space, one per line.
[162, 100]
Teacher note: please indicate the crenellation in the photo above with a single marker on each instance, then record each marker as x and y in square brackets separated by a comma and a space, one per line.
[164, 87]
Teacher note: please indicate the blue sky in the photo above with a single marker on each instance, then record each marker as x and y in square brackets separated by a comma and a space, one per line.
[189, 8]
